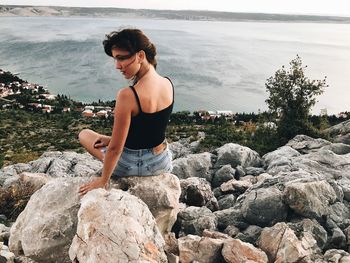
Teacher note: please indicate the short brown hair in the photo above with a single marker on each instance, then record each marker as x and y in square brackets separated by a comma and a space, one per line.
[131, 40]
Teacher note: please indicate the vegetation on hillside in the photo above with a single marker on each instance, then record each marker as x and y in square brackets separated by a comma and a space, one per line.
[27, 132]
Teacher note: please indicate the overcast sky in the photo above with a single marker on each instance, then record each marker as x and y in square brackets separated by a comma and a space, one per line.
[321, 7]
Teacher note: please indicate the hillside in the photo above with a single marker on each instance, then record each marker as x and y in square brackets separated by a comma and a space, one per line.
[8, 10]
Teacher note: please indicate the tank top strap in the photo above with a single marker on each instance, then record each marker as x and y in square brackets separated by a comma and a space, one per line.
[137, 98]
[172, 85]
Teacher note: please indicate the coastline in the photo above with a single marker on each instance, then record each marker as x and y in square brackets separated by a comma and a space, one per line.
[192, 15]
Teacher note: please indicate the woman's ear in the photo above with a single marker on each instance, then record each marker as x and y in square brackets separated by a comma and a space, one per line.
[141, 56]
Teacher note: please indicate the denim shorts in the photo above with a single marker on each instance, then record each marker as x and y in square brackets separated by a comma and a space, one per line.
[143, 162]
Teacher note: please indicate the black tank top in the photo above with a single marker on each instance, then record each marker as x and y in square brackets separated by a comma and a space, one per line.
[147, 130]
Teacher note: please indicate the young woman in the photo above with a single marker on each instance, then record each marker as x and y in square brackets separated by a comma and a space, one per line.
[137, 146]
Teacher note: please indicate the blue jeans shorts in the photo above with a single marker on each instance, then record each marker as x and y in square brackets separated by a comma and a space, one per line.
[143, 162]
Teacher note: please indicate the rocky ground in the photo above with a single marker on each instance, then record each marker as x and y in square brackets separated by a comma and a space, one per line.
[229, 205]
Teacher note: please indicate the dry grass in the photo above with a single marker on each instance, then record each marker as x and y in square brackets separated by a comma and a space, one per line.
[13, 199]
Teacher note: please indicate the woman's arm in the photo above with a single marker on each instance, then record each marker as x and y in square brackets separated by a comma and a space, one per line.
[122, 118]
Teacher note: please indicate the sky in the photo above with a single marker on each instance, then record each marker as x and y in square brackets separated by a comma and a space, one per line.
[314, 7]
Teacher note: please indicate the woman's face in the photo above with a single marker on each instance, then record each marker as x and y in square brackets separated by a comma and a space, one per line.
[128, 64]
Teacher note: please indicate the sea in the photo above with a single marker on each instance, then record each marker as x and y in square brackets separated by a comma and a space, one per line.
[213, 65]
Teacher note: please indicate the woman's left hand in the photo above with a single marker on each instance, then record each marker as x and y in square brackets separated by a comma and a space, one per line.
[97, 182]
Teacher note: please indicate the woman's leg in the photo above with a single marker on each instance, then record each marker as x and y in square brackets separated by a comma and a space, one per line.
[87, 138]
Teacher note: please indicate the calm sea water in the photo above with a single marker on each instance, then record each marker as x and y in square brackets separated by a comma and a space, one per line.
[214, 65]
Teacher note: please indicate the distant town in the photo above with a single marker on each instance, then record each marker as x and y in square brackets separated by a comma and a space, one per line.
[17, 93]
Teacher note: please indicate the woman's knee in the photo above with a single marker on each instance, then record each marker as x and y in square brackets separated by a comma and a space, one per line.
[84, 134]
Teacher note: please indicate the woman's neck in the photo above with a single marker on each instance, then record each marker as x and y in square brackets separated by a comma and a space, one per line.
[144, 70]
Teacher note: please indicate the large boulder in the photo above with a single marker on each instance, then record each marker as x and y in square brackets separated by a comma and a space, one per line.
[311, 199]
[46, 227]
[194, 165]
[235, 154]
[305, 144]
[324, 163]
[264, 207]
[282, 245]
[116, 225]
[279, 160]
[161, 193]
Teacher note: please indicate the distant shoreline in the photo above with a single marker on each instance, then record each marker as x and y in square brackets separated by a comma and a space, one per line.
[191, 15]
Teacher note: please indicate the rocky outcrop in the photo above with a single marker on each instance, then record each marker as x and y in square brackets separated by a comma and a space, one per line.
[116, 225]
[290, 205]
[51, 214]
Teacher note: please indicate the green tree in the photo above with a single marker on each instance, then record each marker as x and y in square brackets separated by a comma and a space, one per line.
[291, 96]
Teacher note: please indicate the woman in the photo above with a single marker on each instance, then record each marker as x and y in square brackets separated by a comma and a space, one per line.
[137, 146]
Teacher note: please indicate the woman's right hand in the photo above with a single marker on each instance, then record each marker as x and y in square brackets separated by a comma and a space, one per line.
[102, 141]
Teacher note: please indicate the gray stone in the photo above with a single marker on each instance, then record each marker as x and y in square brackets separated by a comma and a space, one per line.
[339, 129]
[255, 171]
[66, 164]
[161, 193]
[224, 174]
[311, 199]
[308, 226]
[264, 207]
[250, 234]
[337, 256]
[235, 154]
[338, 148]
[4, 233]
[179, 150]
[325, 163]
[133, 238]
[230, 216]
[345, 185]
[305, 144]
[194, 220]
[197, 192]
[231, 231]
[240, 172]
[6, 255]
[194, 165]
[337, 239]
[279, 160]
[340, 214]
[226, 201]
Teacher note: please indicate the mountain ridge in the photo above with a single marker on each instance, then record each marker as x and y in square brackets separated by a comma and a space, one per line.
[20, 10]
